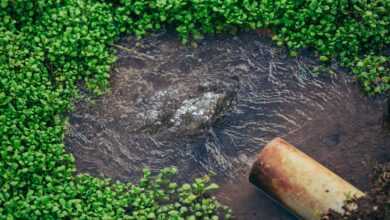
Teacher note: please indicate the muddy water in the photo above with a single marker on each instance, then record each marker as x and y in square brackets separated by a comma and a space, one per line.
[324, 115]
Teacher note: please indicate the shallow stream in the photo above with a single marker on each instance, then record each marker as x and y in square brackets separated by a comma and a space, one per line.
[324, 115]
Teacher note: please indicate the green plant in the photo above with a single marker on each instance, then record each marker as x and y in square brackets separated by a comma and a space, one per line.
[186, 200]
[373, 72]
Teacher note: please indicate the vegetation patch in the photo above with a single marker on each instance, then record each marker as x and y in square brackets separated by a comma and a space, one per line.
[47, 47]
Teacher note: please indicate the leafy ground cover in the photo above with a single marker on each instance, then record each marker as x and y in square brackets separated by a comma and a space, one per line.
[47, 48]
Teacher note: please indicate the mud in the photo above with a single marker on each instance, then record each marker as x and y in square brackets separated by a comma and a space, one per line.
[325, 115]
[375, 205]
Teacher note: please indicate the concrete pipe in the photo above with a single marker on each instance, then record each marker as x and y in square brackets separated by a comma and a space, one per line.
[299, 182]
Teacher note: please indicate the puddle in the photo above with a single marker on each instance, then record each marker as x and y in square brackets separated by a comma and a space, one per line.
[325, 116]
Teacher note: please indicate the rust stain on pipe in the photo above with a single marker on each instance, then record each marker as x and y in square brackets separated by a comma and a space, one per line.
[298, 181]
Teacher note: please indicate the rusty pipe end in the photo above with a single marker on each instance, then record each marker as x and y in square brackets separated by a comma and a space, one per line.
[299, 182]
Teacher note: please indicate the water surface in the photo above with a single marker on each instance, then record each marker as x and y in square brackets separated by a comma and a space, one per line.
[325, 115]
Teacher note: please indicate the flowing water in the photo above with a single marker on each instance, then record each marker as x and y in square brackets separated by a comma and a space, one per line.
[324, 115]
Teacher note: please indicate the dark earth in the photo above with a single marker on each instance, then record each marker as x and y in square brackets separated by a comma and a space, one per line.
[210, 108]
[375, 205]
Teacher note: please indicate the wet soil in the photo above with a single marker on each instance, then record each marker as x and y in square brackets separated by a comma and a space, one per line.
[375, 205]
[325, 115]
